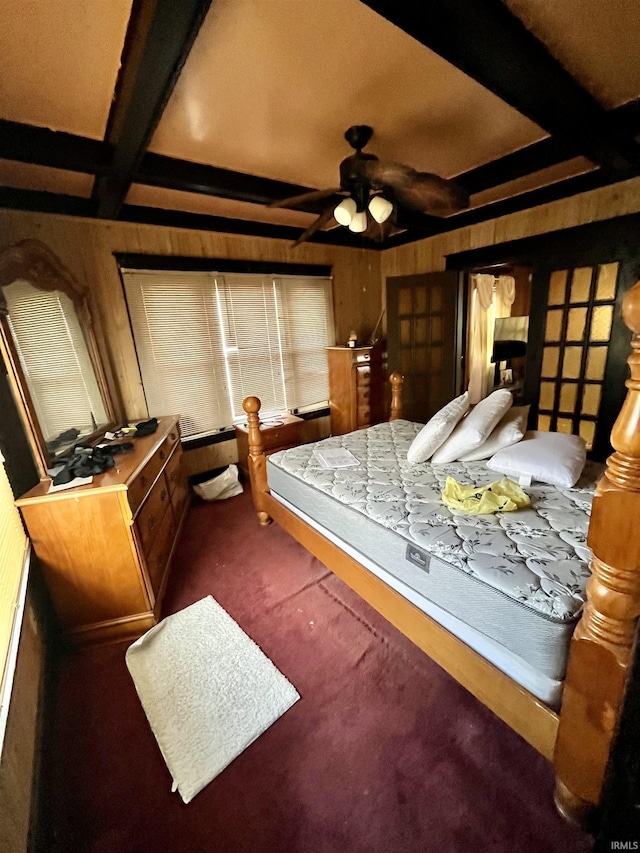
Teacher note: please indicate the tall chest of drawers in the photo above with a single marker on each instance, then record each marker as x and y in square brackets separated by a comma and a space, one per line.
[105, 548]
[356, 387]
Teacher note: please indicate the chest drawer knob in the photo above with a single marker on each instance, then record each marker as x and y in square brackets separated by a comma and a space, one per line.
[151, 522]
[164, 494]
[144, 482]
[162, 455]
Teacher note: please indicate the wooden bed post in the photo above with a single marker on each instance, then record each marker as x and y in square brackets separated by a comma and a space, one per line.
[396, 380]
[602, 643]
[257, 460]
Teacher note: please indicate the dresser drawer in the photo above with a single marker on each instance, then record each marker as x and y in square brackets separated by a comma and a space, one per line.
[172, 438]
[363, 374]
[363, 416]
[363, 394]
[139, 487]
[277, 437]
[174, 470]
[179, 496]
[151, 513]
[161, 549]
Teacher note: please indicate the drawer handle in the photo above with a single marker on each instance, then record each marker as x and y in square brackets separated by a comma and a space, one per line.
[162, 455]
[143, 482]
[164, 495]
[174, 475]
[365, 394]
[151, 522]
[173, 436]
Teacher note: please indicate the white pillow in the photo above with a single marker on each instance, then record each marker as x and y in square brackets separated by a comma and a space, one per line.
[475, 428]
[438, 429]
[508, 431]
[551, 457]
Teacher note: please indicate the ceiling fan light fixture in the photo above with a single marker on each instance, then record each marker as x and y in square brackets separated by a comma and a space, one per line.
[345, 211]
[380, 208]
[359, 222]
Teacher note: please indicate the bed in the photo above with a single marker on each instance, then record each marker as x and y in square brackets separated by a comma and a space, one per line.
[534, 612]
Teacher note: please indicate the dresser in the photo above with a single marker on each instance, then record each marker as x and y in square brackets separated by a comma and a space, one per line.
[105, 548]
[285, 432]
[356, 387]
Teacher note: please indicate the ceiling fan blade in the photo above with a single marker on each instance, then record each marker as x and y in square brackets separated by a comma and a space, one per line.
[377, 231]
[315, 225]
[386, 173]
[431, 194]
[306, 198]
[421, 191]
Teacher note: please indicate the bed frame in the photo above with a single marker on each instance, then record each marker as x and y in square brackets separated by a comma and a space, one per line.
[577, 740]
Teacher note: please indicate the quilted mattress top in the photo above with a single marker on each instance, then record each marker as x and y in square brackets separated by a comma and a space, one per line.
[537, 555]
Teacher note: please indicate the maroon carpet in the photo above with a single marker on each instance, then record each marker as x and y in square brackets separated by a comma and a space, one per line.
[384, 752]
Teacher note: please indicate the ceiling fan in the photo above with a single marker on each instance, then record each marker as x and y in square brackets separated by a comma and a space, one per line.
[374, 189]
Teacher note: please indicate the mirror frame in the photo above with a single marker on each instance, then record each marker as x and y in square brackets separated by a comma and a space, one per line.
[33, 261]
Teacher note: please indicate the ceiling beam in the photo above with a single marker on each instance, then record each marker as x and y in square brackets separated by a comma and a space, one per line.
[486, 41]
[170, 173]
[159, 38]
[223, 224]
[46, 202]
[44, 147]
[525, 161]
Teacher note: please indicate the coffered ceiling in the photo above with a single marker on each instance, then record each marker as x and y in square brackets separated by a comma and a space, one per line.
[201, 113]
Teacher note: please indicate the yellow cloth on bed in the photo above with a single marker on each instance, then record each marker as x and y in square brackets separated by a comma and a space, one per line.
[502, 496]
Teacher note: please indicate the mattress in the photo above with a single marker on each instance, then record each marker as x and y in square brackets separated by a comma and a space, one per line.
[517, 578]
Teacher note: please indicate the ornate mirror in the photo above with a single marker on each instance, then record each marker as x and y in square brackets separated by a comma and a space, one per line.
[48, 344]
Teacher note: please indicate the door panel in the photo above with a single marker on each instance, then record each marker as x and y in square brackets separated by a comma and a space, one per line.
[422, 337]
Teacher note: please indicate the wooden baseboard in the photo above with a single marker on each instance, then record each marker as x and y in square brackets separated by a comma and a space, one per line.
[113, 631]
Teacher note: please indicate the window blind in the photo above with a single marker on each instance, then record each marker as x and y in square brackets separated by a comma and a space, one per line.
[13, 546]
[174, 317]
[307, 328]
[206, 340]
[54, 359]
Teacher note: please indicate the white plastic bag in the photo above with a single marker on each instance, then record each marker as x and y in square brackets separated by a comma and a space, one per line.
[225, 485]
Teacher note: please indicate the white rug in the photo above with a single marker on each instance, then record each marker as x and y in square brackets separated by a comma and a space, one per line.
[208, 691]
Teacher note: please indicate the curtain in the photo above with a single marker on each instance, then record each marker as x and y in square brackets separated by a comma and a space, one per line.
[483, 314]
[505, 295]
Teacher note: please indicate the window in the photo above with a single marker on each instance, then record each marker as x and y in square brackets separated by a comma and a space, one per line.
[206, 340]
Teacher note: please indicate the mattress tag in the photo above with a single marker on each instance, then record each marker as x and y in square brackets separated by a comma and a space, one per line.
[525, 479]
[417, 557]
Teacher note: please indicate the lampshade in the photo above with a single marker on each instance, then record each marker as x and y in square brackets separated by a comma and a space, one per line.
[345, 211]
[359, 222]
[380, 208]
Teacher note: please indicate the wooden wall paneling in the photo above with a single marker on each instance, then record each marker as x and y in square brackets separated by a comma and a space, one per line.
[210, 457]
[604, 203]
[88, 247]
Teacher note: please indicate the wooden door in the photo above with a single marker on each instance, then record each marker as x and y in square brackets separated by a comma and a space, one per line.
[424, 321]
